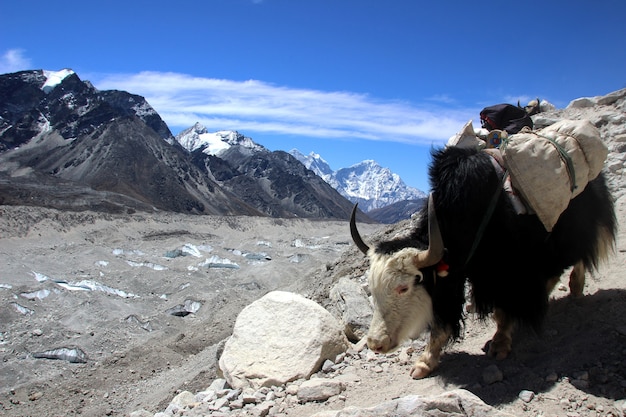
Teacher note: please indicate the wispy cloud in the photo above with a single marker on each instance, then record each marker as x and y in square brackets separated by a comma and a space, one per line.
[13, 60]
[256, 106]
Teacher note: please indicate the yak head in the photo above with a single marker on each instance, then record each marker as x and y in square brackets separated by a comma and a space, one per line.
[402, 306]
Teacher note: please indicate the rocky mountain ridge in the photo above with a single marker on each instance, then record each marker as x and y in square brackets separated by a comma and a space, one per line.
[276, 183]
[66, 145]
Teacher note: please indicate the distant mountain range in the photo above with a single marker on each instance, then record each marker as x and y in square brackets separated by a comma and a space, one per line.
[64, 144]
[366, 183]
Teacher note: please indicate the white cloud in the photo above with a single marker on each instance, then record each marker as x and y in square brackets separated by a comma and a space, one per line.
[13, 60]
[255, 106]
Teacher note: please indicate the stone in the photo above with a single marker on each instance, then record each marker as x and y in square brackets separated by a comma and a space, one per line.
[248, 398]
[236, 404]
[459, 402]
[581, 103]
[35, 396]
[319, 390]
[232, 394]
[492, 374]
[217, 385]
[205, 396]
[292, 389]
[280, 338]
[327, 366]
[352, 306]
[526, 396]
[141, 413]
[183, 399]
[219, 403]
[262, 410]
[611, 98]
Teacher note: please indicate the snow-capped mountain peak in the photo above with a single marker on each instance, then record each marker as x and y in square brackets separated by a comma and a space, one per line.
[366, 183]
[315, 163]
[214, 143]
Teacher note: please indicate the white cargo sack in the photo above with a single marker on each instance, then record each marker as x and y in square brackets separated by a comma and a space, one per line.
[466, 138]
[538, 164]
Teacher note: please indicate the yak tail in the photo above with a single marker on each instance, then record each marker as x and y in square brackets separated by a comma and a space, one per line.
[605, 246]
[606, 222]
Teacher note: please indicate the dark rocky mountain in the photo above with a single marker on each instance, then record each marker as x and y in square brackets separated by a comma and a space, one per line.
[278, 184]
[275, 183]
[66, 145]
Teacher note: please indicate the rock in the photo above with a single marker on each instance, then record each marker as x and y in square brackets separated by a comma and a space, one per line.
[292, 389]
[492, 374]
[541, 120]
[141, 413]
[352, 307]
[262, 410]
[217, 385]
[232, 394]
[219, 403]
[611, 98]
[319, 390]
[182, 400]
[205, 396]
[526, 396]
[35, 396]
[249, 398]
[328, 366]
[236, 404]
[459, 402]
[582, 102]
[280, 338]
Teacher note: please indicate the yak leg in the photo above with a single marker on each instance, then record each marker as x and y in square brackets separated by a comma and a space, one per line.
[429, 360]
[501, 343]
[577, 280]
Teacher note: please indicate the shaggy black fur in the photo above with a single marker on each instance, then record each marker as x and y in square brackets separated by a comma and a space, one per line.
[516, 256]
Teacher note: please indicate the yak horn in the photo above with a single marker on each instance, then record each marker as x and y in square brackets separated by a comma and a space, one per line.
[356, 237]
[434, 253]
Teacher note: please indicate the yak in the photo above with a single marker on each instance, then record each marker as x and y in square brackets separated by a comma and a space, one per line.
[469, 232]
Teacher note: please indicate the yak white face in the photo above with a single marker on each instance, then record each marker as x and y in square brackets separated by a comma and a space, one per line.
[402, 309]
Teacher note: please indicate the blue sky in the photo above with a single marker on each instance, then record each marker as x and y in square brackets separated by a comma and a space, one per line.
[348, 79]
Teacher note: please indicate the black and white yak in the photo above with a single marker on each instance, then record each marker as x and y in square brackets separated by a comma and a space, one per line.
[510, 260]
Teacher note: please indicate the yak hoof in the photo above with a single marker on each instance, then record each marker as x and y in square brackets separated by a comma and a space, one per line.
[420, 370]
[499, 348]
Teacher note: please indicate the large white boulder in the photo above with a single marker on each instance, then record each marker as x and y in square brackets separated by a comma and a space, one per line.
[280, 338]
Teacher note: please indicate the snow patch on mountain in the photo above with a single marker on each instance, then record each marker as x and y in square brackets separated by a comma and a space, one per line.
[54, 78]
[141, 108]
[366, 183]
[198, 137]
